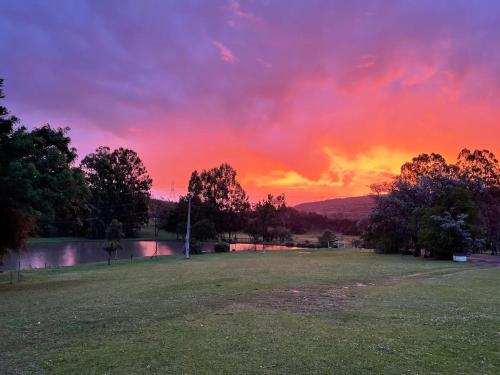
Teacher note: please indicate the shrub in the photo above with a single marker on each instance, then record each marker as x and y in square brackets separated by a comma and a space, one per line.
[326, 238]
[222, 247]
[195, 248]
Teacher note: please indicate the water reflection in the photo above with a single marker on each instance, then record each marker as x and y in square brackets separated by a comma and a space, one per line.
[71, 253]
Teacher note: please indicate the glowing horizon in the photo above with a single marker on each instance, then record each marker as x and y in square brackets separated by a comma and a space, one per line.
[312, 99]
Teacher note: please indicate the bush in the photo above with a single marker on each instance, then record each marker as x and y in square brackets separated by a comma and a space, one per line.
[195, 248]
[326, 238]
[222, 247]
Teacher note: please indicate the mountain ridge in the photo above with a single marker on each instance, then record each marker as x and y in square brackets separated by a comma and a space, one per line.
[353, 208]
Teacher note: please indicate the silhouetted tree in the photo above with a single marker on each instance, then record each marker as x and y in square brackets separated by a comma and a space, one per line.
[326, 238]
[224, 199]
[480, 172]
[266, 214]
[435, 205]
[203, 230]
[114, 235]
[425, 166]
[15, 220]
[39, 188]
[281, 233]
[120, 187]
[63, 202]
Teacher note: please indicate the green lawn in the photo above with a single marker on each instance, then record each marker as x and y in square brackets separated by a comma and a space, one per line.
[324, 312]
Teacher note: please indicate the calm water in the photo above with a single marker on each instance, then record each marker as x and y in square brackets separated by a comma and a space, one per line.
[71, 253]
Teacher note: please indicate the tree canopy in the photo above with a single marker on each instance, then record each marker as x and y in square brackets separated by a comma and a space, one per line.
[441, 207]
[120, 189]
[224, 200]
[40, 189]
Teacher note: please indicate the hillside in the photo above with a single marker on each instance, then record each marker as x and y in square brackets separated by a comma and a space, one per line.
[348, 208]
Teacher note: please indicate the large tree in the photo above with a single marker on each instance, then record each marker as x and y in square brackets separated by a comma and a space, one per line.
[120, 187]
[15, 219]
[62, 192]
[267, 214]
[224, 199]
[425, 166]
[415, 211]
[39, 187]
[451, 224]
[479, 170]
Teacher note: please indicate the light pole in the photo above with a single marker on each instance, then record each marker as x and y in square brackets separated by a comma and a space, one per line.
[188, 229]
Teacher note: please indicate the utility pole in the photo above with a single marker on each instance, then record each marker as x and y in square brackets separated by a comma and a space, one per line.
[188, 228]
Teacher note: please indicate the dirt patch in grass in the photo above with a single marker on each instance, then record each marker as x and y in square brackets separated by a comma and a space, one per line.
[316, 300]
[303, 301]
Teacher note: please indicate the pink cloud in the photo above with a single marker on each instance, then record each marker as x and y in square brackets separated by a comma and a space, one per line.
[225, 53]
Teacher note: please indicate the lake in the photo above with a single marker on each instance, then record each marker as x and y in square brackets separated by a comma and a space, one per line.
[70, 253]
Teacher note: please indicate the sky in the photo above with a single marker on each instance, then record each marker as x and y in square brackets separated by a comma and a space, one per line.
[313, 99]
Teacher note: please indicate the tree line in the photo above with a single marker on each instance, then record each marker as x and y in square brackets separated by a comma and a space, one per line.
[43, 192]
[432, 205]
[437, 208]
[220, 209]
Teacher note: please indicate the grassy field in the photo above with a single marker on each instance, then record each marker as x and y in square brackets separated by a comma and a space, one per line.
[321, 312]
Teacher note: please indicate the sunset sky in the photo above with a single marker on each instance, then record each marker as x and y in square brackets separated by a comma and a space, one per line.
[315, 99]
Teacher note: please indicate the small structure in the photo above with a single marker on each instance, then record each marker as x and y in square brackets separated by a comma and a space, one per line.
[460, 257]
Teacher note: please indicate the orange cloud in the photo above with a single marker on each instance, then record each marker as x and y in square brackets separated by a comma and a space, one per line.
[351, 174]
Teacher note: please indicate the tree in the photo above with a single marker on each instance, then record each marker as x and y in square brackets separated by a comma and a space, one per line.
[15, 220]
[219, 191]
[480, 172]
[266, 214]
[281, 233]
[425, 166]
[203, 230]
[431, 204]
[451, 225]
[63, 195]
[326, 238]
[479, 168]
[253, 229]
[120, 187]
[40, 190]
[114, 235]
[159, 211]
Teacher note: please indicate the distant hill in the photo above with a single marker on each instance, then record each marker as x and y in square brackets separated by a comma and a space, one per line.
[342, 208]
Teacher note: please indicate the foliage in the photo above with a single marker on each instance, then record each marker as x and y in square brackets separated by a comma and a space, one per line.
[281, 233]
[222, 196]
[15, 227]
[326, 238]
[203, 230]
[253, 229]
[441, 207]
[159, 211]
[120, 187]
[480, 172]
[114, 236]
[195, 247]
[39, 188]
[266, 215]
[450, 226]
[222, 247]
